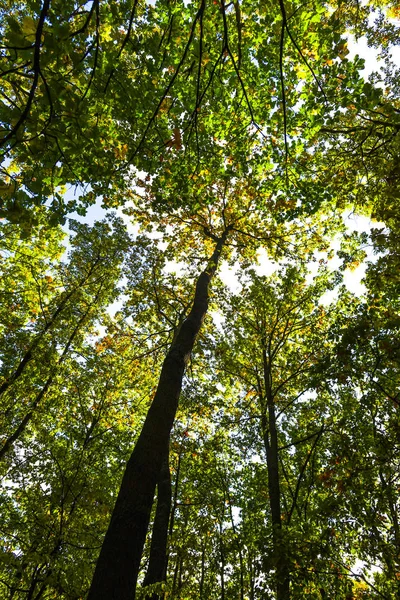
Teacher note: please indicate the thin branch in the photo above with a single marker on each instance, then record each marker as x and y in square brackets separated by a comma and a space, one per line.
[96, 52]
[95, 3]
[14, 70]
[295, 44]
[36, 70]
[227, 49]
[170, 84]
[239, 30]
[309, 454]
[296, 442]
[125, 41]
[281, 46]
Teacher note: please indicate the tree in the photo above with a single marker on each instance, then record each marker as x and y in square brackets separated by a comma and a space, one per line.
[118, 565]
[273, 343]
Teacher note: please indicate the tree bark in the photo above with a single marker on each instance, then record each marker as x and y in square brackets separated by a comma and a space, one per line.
[118, 565]
[251, 576]
[237, 540]
[270, 436]
[157, 569]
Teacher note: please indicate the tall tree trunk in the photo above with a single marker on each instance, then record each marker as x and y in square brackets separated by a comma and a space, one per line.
[174, 503]
[237, 540]
[271, 447]
[176, 572]
[118, 565]
[180, 582]
[202, 573]
[157, 569]
[222, 560]
[251, 576]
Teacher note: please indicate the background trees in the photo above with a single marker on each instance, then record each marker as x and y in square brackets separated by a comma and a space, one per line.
[222, 132]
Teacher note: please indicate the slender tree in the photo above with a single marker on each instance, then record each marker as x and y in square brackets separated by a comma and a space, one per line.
[119, 561]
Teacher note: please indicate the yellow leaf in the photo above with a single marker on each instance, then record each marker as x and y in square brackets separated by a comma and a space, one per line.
[105, 33]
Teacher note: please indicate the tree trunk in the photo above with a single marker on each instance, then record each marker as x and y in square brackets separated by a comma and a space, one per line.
[251, 576]
[202, 573]
[238, 544]
[222, 561]
[174, 503]
[271, 447]
[176, 571]
[118, 565]
[157, 569]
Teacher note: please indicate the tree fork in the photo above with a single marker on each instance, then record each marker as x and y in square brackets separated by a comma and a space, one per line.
[118, 565]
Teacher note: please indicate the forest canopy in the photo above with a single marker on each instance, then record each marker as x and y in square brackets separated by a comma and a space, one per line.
[163, 433]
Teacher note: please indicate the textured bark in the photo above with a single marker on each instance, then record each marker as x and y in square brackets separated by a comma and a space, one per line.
[118, 565]
[271, 447]
[157, 569]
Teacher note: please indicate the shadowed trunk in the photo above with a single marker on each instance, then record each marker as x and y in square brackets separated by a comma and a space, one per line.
[118, 565]
[271, 447]
[157, 569]
[203, 570]
[222, 562]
